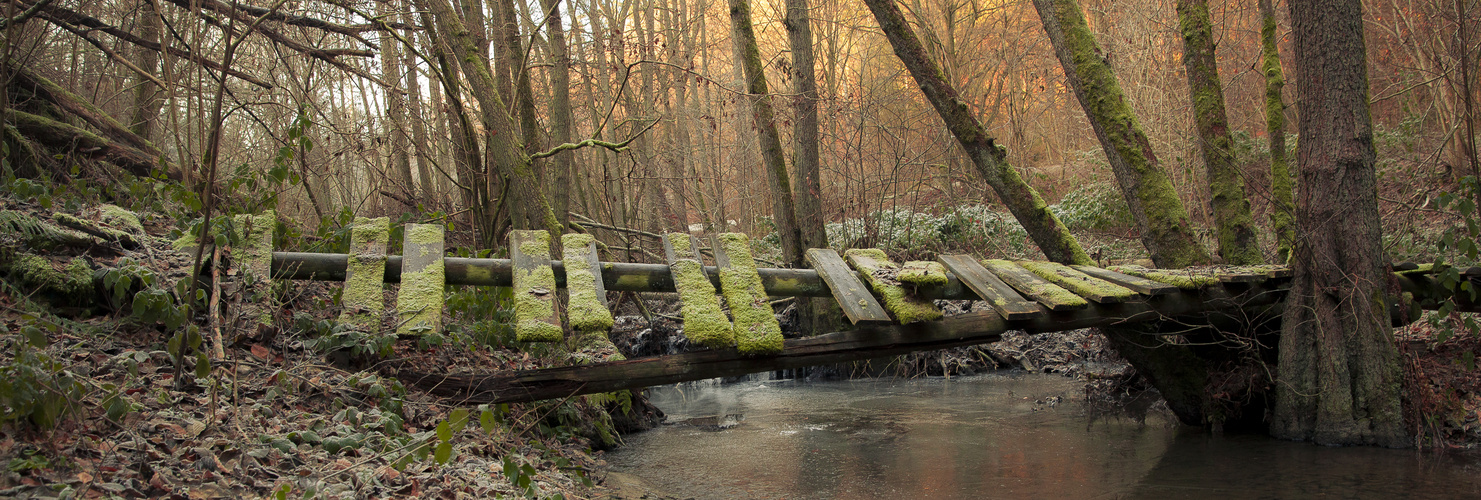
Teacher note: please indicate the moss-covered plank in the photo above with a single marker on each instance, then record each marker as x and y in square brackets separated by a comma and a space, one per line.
[362, 297]
[881, 274]
[704, 322]
[923, 272]
[1240, 275]
[1034, 287]
[419, 299]
[586, 304]
[536, 312]
[1182, 278]
[756, 328]
[985, 284]
[1081, 284]
[1139, 284]
[851, 294]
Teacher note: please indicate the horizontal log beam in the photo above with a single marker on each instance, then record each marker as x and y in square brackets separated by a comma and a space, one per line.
[840, 347]
[617, 276]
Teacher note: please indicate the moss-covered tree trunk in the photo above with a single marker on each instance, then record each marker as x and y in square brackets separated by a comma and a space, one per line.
[560, 111]
[818, 314]
[147, 103]
[1339, 375]
[1282, 186]
[989, 157]
[1234, 228]
[772, 156]
[1166, 232]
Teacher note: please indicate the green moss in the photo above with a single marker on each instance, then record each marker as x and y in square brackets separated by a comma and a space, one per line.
[923, 272]
[1080, 283]
[116, 216]
[704, 323]
[756, 327]
[1184, 279]
[38, 232]
[419, 299]
[876, 266]
[583, 308]
[534, 294]
[185, 241]
[73, 282]
[363, 296]
[1045, 291]
[256, 240]
[681, 244]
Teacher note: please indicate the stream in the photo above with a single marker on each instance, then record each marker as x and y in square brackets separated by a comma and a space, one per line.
[999, 435]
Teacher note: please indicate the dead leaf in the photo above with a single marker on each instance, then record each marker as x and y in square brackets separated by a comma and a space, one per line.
[84, 477]
[261, 352]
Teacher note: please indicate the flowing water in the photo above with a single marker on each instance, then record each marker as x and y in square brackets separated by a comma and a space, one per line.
[1016, 436]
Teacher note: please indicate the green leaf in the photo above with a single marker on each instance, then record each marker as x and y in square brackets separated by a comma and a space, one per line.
[444, 432]
[202, 365]
[443, 453]
[486, 421]
[458, 419]
[34, 336]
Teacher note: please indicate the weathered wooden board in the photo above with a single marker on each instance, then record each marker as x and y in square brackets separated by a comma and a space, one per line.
[1181, 278]
[586, 298]
[878, 270]
[1139, 284]
[1081, 284]
[1034, 287]
[987, 285]
[536, 312]
[756, 328]
[851, 294]
[419, 299]
[1241, 275]
[362, 297]
[704, 322]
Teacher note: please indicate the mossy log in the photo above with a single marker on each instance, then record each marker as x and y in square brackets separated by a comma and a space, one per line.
[880, 273]
[704, 322]
[756, 328]
[839, 347]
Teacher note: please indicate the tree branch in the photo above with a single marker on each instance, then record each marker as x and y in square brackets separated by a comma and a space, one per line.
[616, 147]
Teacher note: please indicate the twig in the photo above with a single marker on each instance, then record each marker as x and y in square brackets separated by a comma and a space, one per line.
[218, 351]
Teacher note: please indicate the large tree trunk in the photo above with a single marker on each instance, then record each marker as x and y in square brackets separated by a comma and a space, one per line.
[560, 112]
[1166, 232]
[1234, 228]
[990, 158]
[1339, 376]
[1282, 186]
[147, 101]
[394, 123]
[773, 158]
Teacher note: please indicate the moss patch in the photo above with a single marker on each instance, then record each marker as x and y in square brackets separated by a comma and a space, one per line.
[756, 327]
[878, 272]
[682, 247]
[534, 294]
[362, 297]
[704, 323]
[419, 300]
[1080, 283]
[1039, 291]
[583, 308]
[116, 216]
[1184, 279]
[923, 272]
[74, 282]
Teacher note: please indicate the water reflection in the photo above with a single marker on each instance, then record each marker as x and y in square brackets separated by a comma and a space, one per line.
[988, 436]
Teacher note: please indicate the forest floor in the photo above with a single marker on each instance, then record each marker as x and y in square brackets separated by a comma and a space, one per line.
[95, 406]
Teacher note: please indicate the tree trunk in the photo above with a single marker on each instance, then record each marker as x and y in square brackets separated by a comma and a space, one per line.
[1166, 232]
[1234, 228]
[1282, 186]
[774, 160]
[1339, 375]
[425, 151]
[394, 124]
[990, 158]
[147, 102]
[560, 112]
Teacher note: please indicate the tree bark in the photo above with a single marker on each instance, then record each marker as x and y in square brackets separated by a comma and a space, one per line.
[784, 214]
[1234, 228]
[1282, 186]
[990, 158]
[147, 102]
[560, 112]
[394, 124]
[1166, 232]
[1339, 375]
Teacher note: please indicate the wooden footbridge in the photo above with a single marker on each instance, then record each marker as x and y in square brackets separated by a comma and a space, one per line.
[891, 306]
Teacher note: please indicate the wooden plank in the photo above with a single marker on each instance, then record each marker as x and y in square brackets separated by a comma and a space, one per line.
[1240, 275]
[840, 347]
[536, 312]
[419, 299]
[756, 328]
[987, 285]
[1181, 278]
[851, 294]
[1034, 287]
[1081, 284]
[704, 322]
[878, 272]
[1139, 284]
[362, 298]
